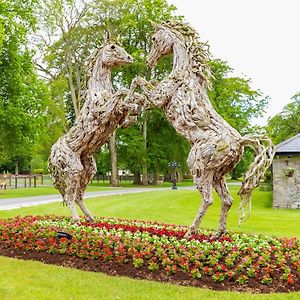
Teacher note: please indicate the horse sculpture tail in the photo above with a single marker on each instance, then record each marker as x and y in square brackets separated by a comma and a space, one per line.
[264, 153]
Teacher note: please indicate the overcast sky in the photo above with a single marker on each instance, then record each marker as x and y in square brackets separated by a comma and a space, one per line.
[258, 38]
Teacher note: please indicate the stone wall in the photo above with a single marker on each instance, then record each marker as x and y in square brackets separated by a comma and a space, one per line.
[286, 189]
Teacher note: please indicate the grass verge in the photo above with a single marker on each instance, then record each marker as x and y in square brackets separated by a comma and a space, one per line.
[34, 280]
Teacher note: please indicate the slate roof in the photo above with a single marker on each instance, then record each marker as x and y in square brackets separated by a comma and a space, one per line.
[291, 145]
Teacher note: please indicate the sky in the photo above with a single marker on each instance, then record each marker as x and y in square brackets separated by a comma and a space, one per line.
[258, 38]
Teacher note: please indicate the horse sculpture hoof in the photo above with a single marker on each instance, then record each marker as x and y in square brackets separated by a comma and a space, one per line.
[217, 235]
[76, 219]
[90, 219]
[190, 232]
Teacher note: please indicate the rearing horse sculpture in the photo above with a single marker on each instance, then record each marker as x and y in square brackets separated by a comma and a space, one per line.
[71, 162]
[216, 147]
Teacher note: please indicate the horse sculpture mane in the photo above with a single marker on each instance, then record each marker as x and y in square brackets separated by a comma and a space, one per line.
[198, 50]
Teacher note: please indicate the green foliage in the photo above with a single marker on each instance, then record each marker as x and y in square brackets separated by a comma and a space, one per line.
[21, 93]
[243, 165]
[233, 97]
[102, 159]
[165, 145]
[235, 100]
[287, 123]
[130, 149]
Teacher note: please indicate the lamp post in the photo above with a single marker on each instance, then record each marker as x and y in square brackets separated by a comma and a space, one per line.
[173, 165]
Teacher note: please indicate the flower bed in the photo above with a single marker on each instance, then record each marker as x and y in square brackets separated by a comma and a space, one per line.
[158, 251]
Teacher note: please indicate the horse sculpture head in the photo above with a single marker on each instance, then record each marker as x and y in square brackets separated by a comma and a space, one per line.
[113, 55]
[162, 44]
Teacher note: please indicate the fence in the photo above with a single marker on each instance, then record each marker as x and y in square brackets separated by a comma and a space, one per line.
[11, 181]
[17, 181]
[104, 178]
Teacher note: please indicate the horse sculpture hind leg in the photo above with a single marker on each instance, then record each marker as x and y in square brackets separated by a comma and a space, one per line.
[204, 185]
[89, 170]
[72, 182]
[222, 190]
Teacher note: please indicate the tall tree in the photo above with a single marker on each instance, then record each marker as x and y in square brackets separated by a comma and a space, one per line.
[238, 103]
[79, 26]
[287, 122]
[234, 98]
[130, 21]
[21, 93]
[66, 40]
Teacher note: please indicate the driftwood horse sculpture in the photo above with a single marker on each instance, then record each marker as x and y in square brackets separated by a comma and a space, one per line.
[71, 162]
[216, 147]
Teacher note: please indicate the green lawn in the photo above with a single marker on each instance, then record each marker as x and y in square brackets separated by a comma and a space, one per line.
[180, 207]
[95, 186]
[32, 280]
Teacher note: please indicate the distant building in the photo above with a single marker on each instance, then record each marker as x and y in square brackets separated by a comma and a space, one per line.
[286, 174]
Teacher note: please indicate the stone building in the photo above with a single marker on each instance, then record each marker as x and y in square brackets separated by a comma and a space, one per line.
[286, 174]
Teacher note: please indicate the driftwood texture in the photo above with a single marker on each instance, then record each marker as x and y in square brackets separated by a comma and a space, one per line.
[216, 147]
[71, 163]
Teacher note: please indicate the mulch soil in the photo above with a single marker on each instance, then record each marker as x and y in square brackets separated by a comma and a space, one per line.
[113, 269]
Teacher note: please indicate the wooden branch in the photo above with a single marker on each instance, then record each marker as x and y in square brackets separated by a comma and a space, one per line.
[46, 71]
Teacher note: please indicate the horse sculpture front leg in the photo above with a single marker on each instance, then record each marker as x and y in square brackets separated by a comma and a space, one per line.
[160, 94]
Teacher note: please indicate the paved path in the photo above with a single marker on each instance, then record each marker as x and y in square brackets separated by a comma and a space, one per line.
[12, 203]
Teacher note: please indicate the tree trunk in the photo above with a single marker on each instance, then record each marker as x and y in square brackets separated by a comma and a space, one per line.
[114, 181]
[72, 89]
[144, 165]
[155, 178]
[137, 178]
[179, 176]
[17, 167]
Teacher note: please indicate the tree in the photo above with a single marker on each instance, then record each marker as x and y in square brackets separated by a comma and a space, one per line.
[235, 100]
[79, 27]
[130, 21]
[131, 151]
[165, 145]
[287, 122]
[21, 94]
[66, 40]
